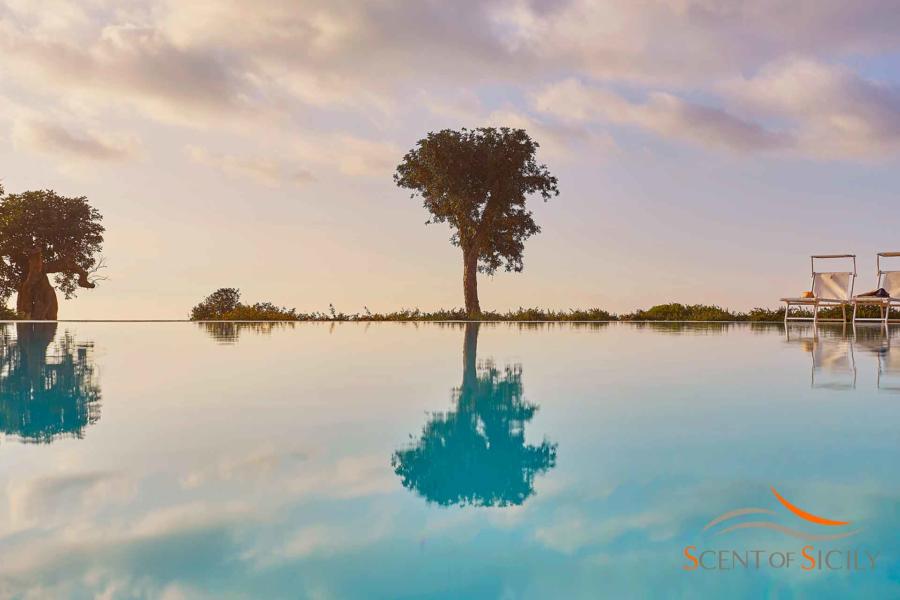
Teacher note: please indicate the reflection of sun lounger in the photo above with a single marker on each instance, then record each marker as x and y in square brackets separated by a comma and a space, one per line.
[889, 281]
[833, 361]
[872, 339]
[829, 288]
[889, 370]
[834, 366]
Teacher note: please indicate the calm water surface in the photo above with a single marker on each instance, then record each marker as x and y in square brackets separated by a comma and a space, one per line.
[446, 461]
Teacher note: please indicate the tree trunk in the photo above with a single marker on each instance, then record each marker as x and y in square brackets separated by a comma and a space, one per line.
[470, 284]
[36, 298]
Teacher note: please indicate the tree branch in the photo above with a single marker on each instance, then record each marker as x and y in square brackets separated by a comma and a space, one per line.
[59, 266]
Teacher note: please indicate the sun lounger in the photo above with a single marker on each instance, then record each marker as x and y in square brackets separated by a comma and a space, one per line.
[889, 281]
[829, 288]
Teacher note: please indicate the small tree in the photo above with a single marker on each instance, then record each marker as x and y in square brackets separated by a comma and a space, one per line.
[225, 304]
[214, 306]
[477, 181]
[42, 234]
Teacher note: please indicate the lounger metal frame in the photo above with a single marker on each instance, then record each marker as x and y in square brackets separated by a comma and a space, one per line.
[816, 302]
[884, 304]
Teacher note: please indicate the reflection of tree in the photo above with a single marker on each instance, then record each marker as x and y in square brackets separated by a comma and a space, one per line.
[229, 332]
[44, 396]
[476, 454]
[684, 327]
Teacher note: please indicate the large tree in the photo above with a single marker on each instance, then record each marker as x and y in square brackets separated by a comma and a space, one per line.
[43, 234]
[477, 181]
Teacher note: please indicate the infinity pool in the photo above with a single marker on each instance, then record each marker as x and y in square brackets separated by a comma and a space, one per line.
[322, 461]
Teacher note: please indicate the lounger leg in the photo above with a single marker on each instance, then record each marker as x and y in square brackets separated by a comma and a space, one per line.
[816, 313]
[855, 306]
[844, 312]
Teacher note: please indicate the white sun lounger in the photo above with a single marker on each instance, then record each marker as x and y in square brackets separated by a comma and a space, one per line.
[890, 281]
[829, 288]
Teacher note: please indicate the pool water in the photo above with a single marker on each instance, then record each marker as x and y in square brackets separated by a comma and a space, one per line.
[352, 460]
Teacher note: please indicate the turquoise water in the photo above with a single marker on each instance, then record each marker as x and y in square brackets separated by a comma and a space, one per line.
[445, 461]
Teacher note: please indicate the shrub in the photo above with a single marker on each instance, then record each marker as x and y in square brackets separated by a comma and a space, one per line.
[681, 312]
[225, 305]
[261, 311]
[759, 315]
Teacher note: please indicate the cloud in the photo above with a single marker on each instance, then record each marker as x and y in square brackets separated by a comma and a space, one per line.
[835, 112]
[348, 77]
[461, 105]
[350, 154]
[264, 170]
[684, 43]
[53, 138]
[135, 65]
[661, 113]
[557, 139]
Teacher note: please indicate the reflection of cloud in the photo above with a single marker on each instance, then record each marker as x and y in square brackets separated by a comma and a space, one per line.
[44, 499]
[295, 474]
[348, 477]
[218, 547]
[255, 465]
[136, 545]
[572, 532]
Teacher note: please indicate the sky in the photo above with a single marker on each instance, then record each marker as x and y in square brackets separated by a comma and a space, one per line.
[704, 148]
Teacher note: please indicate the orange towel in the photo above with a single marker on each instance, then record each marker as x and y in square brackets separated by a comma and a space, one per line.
[807, 294]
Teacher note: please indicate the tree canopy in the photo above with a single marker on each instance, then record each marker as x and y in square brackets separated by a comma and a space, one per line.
[43, 233]
[478, 181]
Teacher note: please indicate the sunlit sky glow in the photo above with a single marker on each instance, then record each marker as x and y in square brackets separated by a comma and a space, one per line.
[704, 148]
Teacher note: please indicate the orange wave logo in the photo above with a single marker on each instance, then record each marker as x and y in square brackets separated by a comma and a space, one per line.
[795, 510]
